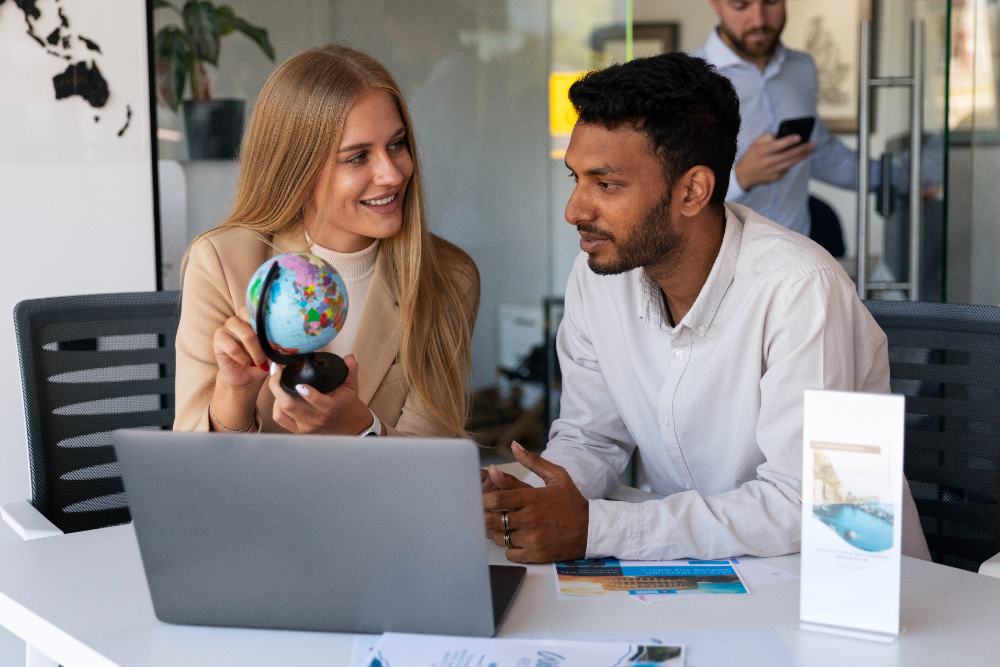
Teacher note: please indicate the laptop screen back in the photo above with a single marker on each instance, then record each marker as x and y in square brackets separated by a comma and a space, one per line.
[310, 532]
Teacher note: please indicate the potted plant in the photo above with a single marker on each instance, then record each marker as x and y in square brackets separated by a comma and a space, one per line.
[213, 127]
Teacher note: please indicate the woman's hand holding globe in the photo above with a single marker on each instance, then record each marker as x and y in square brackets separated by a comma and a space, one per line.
[243, 368]
[241, 361]
[341, 412]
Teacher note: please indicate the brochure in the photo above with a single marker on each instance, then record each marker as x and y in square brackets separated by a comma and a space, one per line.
[409, 650]
[609, 576]
[752, 572]
[852, 498]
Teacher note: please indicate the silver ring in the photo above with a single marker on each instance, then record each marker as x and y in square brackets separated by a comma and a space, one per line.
[503, 519]
[506, 538]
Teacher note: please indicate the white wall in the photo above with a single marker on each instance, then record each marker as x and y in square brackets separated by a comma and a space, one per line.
[69, 230]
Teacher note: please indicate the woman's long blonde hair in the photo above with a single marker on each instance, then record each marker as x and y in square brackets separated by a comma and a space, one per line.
[297, 123]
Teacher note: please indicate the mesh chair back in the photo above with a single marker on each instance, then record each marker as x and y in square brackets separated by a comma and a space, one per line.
[945, 358]
[90, 365]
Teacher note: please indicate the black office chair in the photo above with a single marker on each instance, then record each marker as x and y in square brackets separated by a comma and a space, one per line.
[825, 227]
[90, 365]
[945, 358]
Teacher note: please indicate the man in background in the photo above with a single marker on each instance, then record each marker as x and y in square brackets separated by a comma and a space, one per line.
[774, 83]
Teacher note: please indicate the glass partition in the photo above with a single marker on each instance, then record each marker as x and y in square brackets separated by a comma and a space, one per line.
[892, 117]
[973, 274]
[486, 81]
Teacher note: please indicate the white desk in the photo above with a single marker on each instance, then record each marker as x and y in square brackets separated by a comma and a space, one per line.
[82, 599]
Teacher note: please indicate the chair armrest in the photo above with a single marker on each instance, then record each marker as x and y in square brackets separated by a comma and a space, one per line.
[27, 521]
[991, 568]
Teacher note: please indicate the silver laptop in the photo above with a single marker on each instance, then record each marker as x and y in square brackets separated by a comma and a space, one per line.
[362, 535]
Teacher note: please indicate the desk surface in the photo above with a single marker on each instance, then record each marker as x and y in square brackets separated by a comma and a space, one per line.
[82, 599]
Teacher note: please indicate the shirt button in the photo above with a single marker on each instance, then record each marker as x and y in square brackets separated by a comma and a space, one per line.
[666, 422]
[687, 485]
[679, 354]
[702, 328]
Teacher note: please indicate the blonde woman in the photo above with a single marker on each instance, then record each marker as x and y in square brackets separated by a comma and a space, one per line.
[329, 166]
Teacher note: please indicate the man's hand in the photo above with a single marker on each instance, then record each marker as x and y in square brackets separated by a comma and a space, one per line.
[547, 524]
[494, 480]
[768, 159]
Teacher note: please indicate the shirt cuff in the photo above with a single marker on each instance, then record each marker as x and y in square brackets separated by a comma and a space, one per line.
[735, 189]
[614, 529]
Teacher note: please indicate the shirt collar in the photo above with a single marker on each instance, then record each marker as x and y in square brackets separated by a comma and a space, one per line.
[651, 307]
[650, 303]
[720, 55]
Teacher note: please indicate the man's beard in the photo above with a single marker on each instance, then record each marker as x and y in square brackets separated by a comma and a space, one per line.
[744, 49]
[652, 242]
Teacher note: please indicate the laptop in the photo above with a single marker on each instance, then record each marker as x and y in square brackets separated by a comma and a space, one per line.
[303, 532]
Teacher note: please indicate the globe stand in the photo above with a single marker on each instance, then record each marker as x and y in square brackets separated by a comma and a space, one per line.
[321, 370]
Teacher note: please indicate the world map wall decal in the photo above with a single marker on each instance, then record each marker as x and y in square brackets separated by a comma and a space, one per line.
[92, 55]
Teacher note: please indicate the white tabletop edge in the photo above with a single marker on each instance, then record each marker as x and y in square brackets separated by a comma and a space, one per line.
[36, 631]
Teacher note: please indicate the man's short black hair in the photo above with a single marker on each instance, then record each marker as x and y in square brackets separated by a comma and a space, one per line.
[689, 111]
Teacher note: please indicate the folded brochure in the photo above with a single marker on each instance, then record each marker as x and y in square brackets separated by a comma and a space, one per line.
[409, 650]
[610, 576]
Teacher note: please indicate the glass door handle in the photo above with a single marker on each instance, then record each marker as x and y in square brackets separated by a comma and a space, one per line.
[866, 84]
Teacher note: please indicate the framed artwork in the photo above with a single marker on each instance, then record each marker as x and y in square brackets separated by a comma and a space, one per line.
[829, 32]
[648, 39]
[972, 84]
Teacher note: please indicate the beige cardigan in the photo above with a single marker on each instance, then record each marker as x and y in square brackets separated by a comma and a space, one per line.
[215, 281]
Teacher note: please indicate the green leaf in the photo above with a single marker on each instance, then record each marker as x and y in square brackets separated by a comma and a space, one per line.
[229, 22]
[227, 17]
[202, 28]
[170, 52]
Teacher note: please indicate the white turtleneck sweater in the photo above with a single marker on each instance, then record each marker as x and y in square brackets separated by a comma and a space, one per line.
[357, 269]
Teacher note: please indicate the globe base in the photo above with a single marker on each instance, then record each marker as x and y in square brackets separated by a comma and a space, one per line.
[320, 370]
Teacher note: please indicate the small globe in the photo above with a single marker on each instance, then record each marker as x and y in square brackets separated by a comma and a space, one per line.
[306, 306]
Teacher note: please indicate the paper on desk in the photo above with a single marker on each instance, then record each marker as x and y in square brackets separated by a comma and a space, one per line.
[752, 572]
[407, 650]
[756, 573]
[703, 647]
[609, 576]
[361, 652]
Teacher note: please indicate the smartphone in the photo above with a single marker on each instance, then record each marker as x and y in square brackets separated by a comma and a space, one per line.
[800, 126]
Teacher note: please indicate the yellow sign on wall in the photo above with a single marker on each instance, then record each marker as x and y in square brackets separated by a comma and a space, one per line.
[562, 115]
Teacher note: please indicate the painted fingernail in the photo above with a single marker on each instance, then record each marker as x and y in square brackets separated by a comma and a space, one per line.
[302, 389]
[264, 367]
[274, 368]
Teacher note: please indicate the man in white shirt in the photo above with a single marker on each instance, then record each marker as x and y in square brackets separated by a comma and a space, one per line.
[774, 83]
[691, 329]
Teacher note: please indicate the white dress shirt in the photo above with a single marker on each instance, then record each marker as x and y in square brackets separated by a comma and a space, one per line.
[787, 88]
[713, 406]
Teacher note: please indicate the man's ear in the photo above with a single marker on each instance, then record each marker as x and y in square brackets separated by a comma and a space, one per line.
[693, 190]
